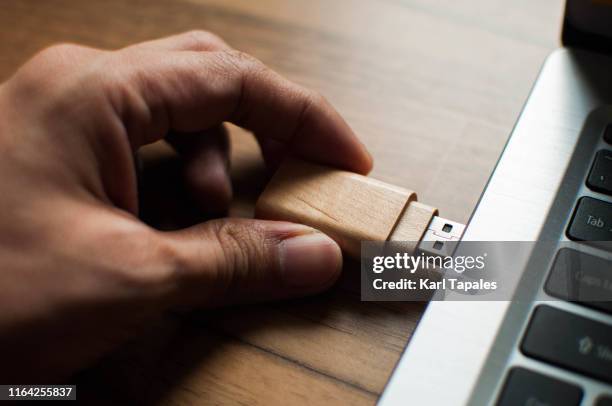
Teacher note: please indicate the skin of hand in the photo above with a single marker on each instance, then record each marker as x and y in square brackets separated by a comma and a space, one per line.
[79, 272]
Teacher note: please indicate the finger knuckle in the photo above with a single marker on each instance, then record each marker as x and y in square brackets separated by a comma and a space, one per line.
[50, 79]
[64, 48]
[316, 98]
[47, 62]
[235, 245]
[59, 54]
[242, 62]
[241, 252]
[203, 37]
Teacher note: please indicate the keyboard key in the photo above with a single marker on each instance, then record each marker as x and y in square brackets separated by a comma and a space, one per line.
[604, 401]
[570, 341]
[525, 388]
[592, 221]
[600, 177]
[608, 134]
[581, 278]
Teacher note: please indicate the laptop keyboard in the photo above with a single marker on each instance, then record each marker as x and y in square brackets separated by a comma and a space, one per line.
[581, 278]
[562, 338]
[570, 341]
[592, 220]
[600, 178]
[523, 387]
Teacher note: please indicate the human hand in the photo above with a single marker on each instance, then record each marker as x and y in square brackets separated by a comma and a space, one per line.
[79, 272]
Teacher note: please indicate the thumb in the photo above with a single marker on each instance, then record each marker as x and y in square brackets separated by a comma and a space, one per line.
[239, 260]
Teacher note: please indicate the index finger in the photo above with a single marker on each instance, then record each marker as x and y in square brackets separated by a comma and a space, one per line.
[194, 91]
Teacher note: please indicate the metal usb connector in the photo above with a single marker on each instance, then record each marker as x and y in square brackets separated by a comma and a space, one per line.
[441, 237]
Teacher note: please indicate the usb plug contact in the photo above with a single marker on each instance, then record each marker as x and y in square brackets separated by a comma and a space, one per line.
[441, 236]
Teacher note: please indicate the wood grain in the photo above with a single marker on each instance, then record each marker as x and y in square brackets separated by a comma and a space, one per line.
[348, 207]
[412, 224]
[432, 88]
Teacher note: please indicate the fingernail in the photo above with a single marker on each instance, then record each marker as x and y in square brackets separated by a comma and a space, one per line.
[309, 260]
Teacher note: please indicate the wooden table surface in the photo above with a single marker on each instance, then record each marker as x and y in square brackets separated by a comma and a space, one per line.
[432, 87]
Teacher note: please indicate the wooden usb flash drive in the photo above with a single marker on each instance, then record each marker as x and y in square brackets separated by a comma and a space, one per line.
[349, 207]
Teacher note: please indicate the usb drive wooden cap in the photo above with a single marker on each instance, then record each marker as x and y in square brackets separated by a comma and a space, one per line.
[348, 207]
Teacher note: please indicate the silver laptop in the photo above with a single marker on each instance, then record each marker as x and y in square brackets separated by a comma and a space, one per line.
[549, 345]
